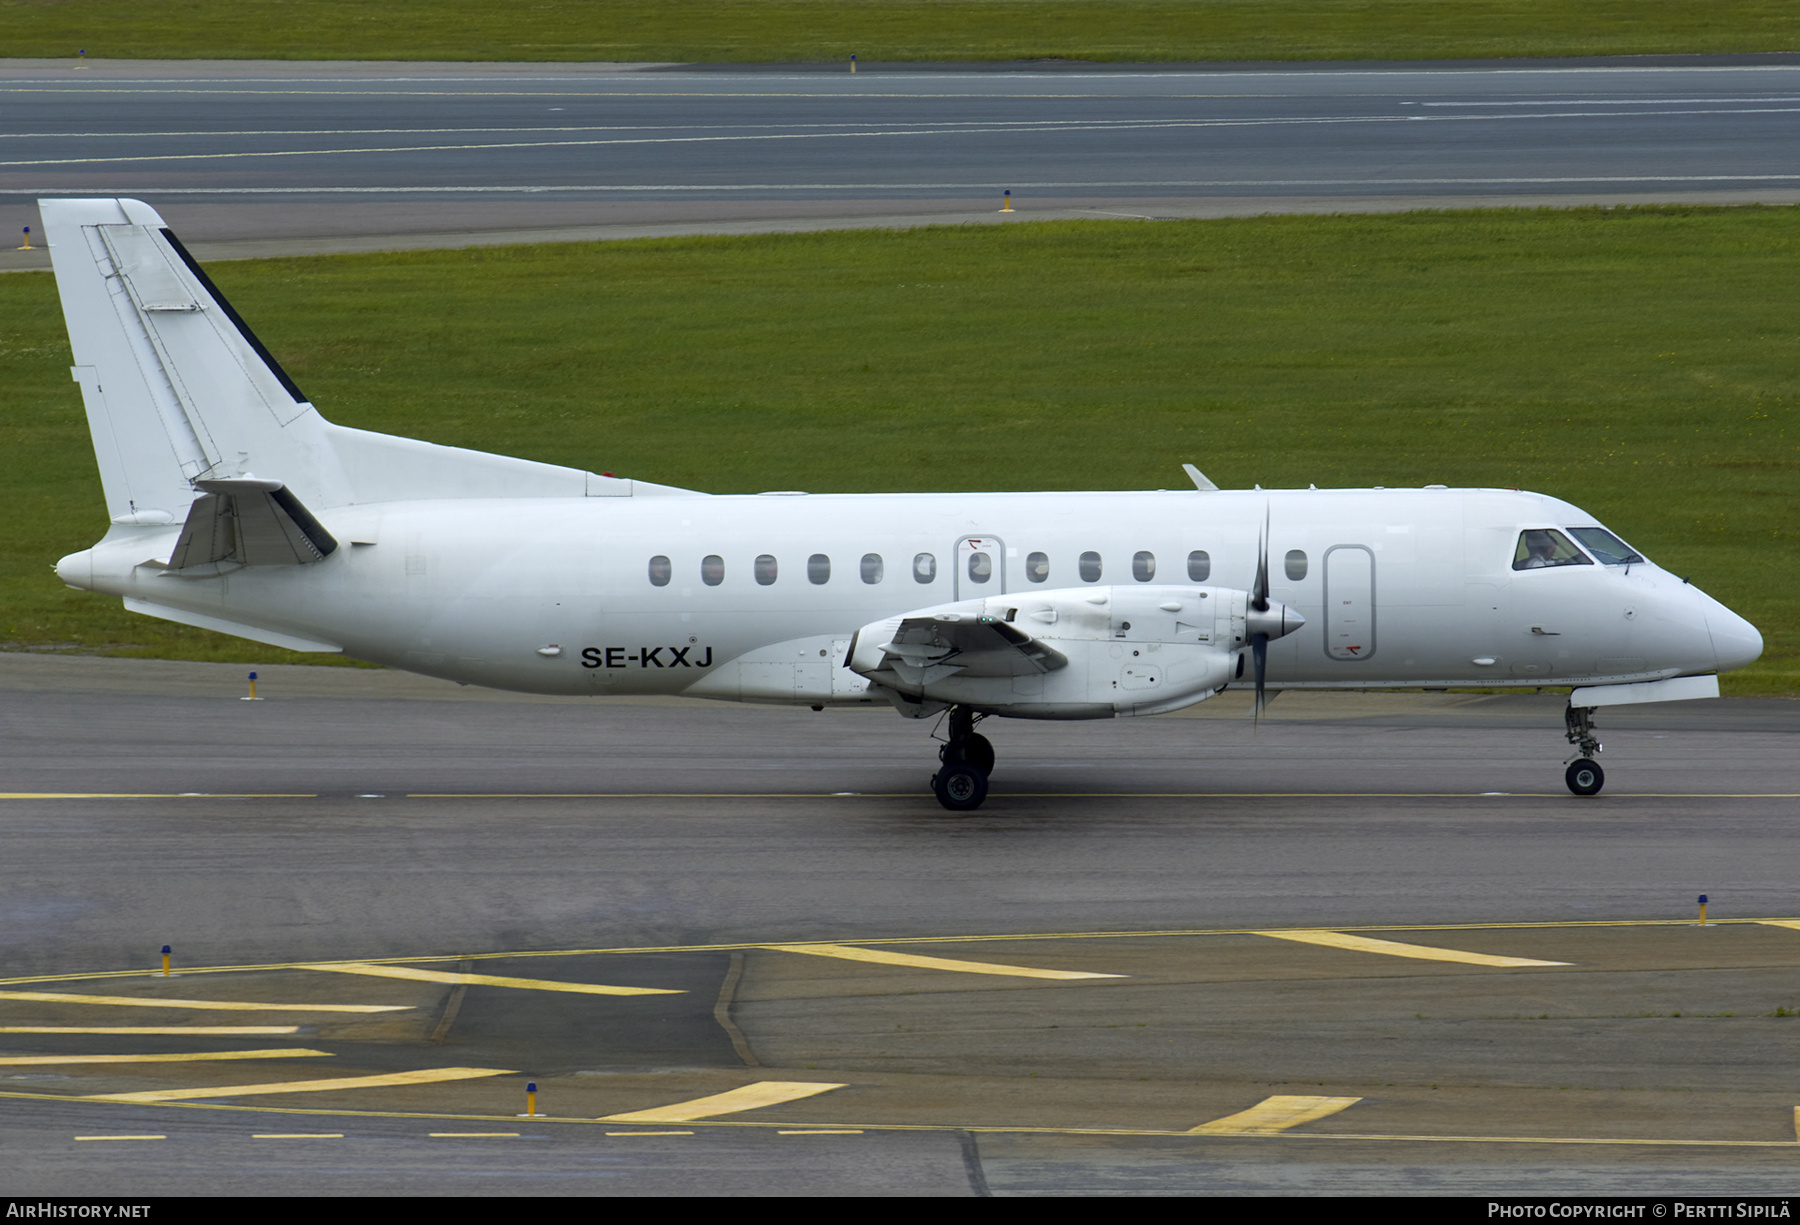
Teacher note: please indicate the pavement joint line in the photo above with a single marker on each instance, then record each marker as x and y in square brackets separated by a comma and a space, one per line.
[852, 953]
[978, 1128]
[747, 946]
[487, 980]
[298, 1052]
[1393, 948]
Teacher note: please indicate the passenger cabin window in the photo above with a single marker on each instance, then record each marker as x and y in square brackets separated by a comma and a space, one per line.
[765, 569]
[1543, 547]
[1607, 548]
[660, 569]
[712, 569]
[1199, 566]
[981, 567]
[1037, 567]
[1143, 566]
[1090, 567]
[924, 568]
[818, 569]
[1295, 565]
[871, 568]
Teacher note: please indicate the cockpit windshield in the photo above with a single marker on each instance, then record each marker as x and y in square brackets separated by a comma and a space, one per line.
[1543, 546]
[1607, 548]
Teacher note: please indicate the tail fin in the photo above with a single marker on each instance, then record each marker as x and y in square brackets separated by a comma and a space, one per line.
[180, 391]
[177, 389]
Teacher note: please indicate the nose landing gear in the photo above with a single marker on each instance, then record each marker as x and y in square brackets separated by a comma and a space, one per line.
[961, 783]
[1584, 775]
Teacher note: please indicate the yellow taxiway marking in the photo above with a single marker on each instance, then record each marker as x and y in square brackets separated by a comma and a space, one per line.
[485, 980]
[649, 1133]
[156, 795]
[1393, 948]
[204, 1031]
[298, 1052]
[473, 1135]
[423, 1076]
[1274, 1114]
[133, 1001]
[850, 953]
[824, 1131]
[745, 1097]
[296, 1135]
[121, 1137]
[979, 938]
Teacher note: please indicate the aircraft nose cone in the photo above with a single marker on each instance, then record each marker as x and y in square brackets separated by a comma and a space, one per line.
[1735, 641]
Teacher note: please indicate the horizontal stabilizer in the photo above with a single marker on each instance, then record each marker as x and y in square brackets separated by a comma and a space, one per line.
[249, 522]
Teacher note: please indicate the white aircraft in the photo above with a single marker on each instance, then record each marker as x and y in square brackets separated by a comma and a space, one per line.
[236, 507]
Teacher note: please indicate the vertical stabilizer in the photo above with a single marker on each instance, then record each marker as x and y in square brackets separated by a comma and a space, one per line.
[177, 389]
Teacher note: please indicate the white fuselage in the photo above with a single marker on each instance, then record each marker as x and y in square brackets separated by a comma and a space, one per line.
[1399, 587]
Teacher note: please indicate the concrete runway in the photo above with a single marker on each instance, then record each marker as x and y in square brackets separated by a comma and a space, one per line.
[874, 967]
[252, 159]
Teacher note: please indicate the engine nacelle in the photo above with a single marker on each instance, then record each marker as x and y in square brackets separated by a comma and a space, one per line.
[1070, 653]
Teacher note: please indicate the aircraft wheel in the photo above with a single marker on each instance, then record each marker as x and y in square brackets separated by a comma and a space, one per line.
[977, 750]
[1585, 777]
[960, 787]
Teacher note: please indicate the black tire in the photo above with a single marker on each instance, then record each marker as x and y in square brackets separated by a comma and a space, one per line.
[960, 787]
[977, 751]
[1585, 777]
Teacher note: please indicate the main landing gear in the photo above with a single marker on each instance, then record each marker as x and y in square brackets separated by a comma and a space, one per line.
[1584, 775]
[961, 783]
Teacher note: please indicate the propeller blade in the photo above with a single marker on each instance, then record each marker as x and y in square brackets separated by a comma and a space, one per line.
[1259, 650]
[1259, 593]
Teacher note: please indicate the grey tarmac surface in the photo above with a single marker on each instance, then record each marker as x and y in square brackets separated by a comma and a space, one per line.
[249, 159]
[884, 956]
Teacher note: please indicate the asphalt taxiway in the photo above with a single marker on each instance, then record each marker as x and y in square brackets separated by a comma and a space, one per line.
[1370, 944]
[248, 159]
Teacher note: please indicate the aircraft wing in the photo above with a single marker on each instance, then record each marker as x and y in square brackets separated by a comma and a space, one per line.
[922, 647]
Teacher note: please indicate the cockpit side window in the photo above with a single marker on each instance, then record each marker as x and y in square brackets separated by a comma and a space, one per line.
[1542, 546]
[1607, 548]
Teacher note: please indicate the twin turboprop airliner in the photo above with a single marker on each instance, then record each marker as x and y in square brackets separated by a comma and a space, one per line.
[236, 507]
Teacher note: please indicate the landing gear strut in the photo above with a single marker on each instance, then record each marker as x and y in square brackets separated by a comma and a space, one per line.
[961, 783]
[1584, 775]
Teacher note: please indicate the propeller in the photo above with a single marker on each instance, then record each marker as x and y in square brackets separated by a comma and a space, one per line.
[1268, 619]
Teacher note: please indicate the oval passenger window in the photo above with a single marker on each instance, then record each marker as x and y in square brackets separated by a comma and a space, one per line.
[1296, 565]
[1199, 566]
[1037, 567]
[660, 569]
[765, 569]
[818, 569]
[712, 570]
[1090, 567]
[981, 567]
[871, 568]
[924, 568]
[1143, 566]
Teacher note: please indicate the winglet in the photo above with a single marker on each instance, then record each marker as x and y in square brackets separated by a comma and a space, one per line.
[1199, 479]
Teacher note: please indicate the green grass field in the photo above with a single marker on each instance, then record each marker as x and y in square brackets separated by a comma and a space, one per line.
[888, 30]
[1641, 363]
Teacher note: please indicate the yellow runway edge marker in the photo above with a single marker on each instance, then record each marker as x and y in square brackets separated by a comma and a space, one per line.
[746, 1097]
[485, 980]
[424, 1076]
[1275, 1114]
[914, 960]
[1394, 948]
